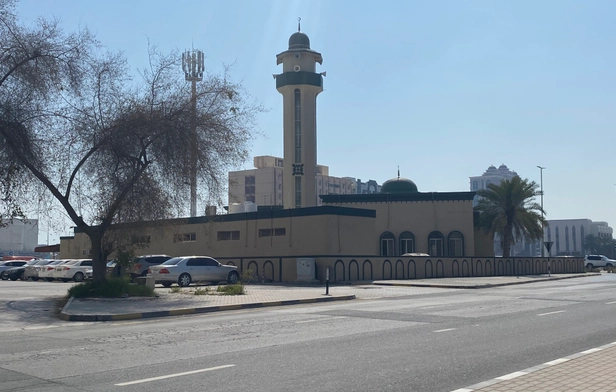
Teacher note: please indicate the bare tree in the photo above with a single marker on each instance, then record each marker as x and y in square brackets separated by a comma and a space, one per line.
[110, 149]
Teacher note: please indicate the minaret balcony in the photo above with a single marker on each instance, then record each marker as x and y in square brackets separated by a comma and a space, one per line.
[297, 78]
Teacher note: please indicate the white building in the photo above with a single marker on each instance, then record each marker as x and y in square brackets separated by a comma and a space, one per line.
[263, 185]
[568, 235]
[19, 238]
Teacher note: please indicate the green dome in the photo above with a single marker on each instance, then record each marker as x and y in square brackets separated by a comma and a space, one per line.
[399, 185]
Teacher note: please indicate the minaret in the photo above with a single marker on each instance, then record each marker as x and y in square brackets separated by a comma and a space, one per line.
[299, 85]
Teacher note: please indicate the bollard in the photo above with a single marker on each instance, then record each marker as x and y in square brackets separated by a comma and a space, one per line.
[327, 281]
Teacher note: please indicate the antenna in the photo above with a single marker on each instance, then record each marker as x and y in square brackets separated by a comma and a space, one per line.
[298, 24]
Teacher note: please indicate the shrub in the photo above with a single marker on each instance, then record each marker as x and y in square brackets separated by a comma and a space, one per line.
[200, 291]
[110, 288]
[232, 289]
[176, 289]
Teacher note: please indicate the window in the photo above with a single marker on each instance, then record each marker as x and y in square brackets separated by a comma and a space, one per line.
[407, 243]
[186, 237]
[475, 185]
[277, 232]
[298, 126]
[387, 244]
[144, 239]
[556, 231]
[567, 239]
[228, 235]
[298, 192]
[574, 238]
[435, 244]
[455, 244]
[86, 252]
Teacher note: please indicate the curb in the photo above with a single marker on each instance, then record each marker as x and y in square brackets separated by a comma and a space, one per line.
[482, 286]
[208, 309]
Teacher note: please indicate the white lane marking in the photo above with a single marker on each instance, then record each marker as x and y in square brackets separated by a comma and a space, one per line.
[433, 307]
[321, 319]
[445, 330]
[172, 375]
[511, 376]
[592, 350]
[39, 327]
[545, 314]
[557, 361]
[463, 390]
[610, 303]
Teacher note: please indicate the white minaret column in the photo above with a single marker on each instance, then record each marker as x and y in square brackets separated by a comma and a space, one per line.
[299, 85]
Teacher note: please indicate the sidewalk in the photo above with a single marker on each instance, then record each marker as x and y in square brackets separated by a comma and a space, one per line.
[588, 371]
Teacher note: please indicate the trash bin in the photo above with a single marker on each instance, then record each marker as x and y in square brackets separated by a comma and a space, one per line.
[147, 280]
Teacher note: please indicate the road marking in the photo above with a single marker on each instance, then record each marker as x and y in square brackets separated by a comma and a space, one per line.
[463, 390]
[610, 303]
[445, 330]
[592, 350]
[556, 361]
[433, 307]
[321, 319]
[173, 375]
[545, 314]
[511, 376]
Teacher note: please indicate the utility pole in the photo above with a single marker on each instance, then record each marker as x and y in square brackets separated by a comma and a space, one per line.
[542, 212]
[192, 65]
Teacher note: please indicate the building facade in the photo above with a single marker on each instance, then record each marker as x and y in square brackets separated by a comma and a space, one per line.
[263, 185]
[19, 238]
[568, 235]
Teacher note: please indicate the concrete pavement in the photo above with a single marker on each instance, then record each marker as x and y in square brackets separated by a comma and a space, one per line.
[581, 372]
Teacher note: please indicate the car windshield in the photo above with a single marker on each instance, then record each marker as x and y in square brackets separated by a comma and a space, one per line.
[173, 261]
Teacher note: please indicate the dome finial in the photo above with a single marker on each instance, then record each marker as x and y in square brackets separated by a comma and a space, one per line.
[299, 19]
[398, 172]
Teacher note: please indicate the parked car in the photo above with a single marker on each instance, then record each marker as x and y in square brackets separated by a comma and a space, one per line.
[72, 270]
[46, 271]
[32, 270]
[140, 265]
[592, 261]
[10, 264]
[15, 273]
[185, 270]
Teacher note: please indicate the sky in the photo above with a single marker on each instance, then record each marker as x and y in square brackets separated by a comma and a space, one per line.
[442, 89]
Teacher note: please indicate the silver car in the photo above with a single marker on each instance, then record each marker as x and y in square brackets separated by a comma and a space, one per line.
[184, 270]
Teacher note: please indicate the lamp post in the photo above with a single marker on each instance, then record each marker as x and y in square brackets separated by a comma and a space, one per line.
[192, 65]
[542, 212]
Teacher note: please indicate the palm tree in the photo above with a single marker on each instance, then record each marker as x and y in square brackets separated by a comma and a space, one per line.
[509, 210]
[591, 243]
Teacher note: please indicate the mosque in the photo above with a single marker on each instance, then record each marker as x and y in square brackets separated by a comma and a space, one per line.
[399, 233]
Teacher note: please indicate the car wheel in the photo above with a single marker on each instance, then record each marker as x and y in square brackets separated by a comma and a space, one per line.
[589, 266]
[608, 265]
[13, 277]
[233, 277]
[4, 276]
[184, 280]
[78, 277]
[167, 284]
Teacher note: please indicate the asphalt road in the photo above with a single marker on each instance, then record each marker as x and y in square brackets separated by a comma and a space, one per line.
[429, 340]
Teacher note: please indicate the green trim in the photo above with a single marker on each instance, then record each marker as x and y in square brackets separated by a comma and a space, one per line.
[391, 197]
[297, 78]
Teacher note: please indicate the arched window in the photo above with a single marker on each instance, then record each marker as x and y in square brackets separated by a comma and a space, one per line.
[387, 244]
[435, 244]
[582, 243]
[455, 244]
[574, 238]
[407, 242]
[567, 239]
[557, 240]
[475, 185]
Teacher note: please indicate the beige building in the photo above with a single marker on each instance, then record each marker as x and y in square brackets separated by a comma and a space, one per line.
[263, 185]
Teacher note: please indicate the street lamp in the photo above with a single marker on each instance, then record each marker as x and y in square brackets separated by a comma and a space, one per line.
[192, 65]
[542, 212]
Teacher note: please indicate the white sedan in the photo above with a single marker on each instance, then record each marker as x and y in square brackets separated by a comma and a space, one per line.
[72, 270]
[184, 270]
[46, 271]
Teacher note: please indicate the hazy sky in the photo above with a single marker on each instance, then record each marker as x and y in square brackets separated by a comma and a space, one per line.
[442, 89]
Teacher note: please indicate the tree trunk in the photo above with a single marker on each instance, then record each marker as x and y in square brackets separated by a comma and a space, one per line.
[98, 261]
[507, 241]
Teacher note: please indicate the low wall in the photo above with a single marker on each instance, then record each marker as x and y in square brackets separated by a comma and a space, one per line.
[368, 268]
